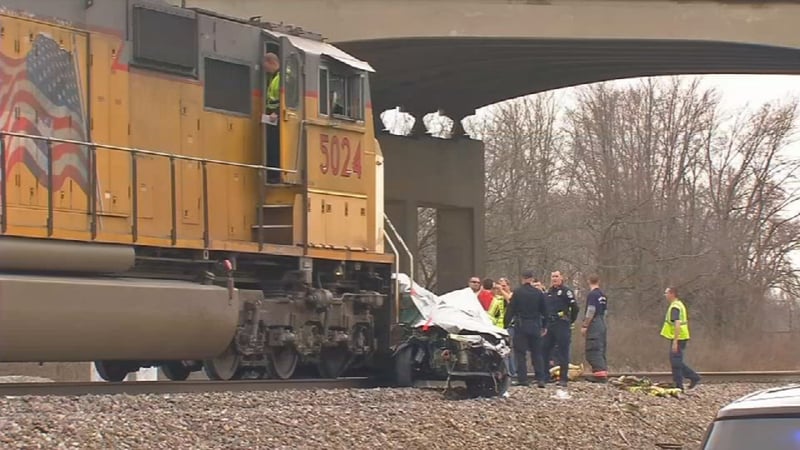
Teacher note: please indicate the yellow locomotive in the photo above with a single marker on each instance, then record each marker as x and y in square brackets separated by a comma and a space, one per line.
[154, 213]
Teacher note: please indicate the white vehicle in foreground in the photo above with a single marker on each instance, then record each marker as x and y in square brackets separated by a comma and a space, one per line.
[766, 419]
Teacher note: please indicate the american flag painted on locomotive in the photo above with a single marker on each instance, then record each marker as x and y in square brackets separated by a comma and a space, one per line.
[40, 95]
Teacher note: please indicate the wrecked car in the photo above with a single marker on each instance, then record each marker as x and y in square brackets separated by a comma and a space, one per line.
[450, 337]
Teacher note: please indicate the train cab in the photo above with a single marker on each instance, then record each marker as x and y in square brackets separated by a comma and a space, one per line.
[322, 142]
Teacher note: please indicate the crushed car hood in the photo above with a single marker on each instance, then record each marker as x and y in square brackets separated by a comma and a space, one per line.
[454, 312]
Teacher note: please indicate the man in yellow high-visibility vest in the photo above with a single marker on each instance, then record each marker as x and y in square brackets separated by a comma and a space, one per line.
[272, 66]
[676, 329]
[272, 105]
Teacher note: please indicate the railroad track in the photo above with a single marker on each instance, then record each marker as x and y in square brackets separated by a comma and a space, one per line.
[202, 386]
[785, 376]
[179, 387]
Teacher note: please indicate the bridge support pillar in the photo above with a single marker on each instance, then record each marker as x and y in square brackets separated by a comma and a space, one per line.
[447, 175]
[455, 247]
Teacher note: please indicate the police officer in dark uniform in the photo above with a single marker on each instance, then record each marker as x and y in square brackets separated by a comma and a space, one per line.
[562, 311]
[594, 329]
[527, 310]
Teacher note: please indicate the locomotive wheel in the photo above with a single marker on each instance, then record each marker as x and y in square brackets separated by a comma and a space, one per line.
[175, 371]
[224, 366]
[111, 371]
[284, 362]
[333, 362]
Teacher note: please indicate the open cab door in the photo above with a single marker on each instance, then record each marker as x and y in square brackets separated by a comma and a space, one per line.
[282, 192]
[292, 111]
[282, 132]
[327, 148]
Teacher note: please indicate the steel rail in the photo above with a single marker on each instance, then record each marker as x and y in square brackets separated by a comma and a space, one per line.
[179, 387]
[666, 377]
[718, 377]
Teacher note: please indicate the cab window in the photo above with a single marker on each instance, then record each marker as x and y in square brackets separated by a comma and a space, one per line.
[341, 92]
[323, 91]
[291, 83]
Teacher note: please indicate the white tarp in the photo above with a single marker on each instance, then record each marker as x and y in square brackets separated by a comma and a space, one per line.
[455, 311]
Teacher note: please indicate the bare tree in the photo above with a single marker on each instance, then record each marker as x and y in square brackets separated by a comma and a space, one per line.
[525, 194]
[674, 196]
[634, 164]
[649, 184]
[747, 178]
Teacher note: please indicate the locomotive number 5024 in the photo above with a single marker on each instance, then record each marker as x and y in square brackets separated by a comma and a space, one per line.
[338, 157]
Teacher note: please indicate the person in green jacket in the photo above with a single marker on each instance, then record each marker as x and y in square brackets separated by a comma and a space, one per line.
[497, 309]
[272, 108]
[272, 66]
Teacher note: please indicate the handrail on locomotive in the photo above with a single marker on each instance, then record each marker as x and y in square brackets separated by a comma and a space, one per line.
[133, 152]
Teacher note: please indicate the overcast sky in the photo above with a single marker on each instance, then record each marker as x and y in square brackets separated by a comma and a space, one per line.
[755, 89]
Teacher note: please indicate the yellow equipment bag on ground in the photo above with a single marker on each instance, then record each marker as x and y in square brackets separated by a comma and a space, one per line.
[573, 373]
[634, 384]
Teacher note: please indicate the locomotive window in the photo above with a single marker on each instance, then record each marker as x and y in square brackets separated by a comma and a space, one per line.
[165, 41]
[323, 91]
[341, 91]
[355, 92]
[291, 84]
[344, 92]
[227, 86]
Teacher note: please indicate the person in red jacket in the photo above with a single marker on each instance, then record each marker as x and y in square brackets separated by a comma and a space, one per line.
[485, 295]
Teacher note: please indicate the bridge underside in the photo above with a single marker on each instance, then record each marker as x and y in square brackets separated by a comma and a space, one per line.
[460, 55]
[458, 75]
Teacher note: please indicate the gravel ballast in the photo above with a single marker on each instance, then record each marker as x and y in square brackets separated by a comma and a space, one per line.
[597, 416]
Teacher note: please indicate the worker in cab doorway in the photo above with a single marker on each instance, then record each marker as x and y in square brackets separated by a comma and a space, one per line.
[594, 329]
[272, 109]
[527, 310]
[562, 311]
[676, 330]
